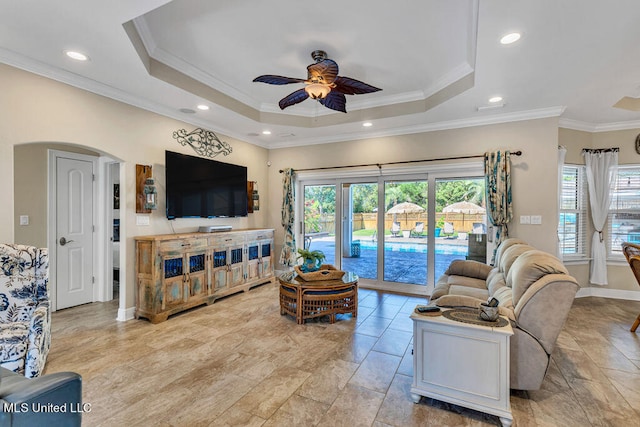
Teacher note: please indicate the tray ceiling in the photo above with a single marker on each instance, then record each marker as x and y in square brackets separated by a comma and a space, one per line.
[438, 62]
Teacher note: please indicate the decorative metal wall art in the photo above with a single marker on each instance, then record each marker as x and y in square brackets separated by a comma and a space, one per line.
[203, 142]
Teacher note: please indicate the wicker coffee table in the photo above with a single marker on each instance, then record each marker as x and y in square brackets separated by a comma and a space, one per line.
[306, 300]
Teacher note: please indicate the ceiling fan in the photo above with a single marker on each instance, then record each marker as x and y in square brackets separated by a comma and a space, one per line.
[323, 84]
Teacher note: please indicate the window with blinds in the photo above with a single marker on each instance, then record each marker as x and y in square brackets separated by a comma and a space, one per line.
[624, 212]
[572, 224]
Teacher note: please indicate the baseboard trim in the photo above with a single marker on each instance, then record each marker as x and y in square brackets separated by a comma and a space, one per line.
[125, 314]
[608, 293]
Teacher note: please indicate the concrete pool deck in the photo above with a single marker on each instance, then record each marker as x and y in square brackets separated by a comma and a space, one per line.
[402, 266]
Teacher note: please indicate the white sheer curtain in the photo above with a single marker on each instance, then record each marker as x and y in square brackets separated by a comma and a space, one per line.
[602, 169]
[562, 153]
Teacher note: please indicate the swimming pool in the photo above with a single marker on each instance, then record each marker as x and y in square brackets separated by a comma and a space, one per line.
[441, 249]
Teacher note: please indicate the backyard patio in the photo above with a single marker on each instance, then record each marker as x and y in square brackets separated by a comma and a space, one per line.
[405, 257]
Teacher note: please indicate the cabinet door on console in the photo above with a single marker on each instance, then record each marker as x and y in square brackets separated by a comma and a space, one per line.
[173, 287]
[266, 257]
[219, 269]
[236, 266]
[197, 276]
[263, 239]
[253, 260]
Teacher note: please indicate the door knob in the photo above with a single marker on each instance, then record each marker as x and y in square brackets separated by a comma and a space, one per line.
[64, 241]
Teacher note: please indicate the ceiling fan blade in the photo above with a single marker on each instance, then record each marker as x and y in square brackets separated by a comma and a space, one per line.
[293, 98]
[350, 86]
[324, 71]
[277, 80]
[336, 101]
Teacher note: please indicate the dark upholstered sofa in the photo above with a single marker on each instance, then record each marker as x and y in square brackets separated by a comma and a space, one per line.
[49, 400]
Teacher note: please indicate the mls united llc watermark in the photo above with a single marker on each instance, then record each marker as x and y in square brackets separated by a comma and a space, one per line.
[46, 407]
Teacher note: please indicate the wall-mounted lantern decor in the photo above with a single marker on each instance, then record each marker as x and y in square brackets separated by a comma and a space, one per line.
[256, 197]
[150, 194]
[143, 172]
[203, 142]
[253, 199]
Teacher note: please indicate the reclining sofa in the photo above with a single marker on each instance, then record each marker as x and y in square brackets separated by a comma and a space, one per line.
[534, 290]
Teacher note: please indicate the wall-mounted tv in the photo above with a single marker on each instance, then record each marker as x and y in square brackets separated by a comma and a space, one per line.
[203, 188]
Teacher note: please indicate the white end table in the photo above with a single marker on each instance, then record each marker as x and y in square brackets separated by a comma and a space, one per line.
[463, 364]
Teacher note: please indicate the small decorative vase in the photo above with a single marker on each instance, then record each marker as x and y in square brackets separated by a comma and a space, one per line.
[490, 314]
[309, 265]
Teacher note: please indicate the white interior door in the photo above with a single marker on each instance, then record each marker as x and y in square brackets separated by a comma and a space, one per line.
[74, 231]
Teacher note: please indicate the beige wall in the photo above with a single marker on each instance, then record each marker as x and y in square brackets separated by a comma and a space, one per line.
[30, 171]
[619, 274]
[534, 182]
[37, 110]
[34, 109]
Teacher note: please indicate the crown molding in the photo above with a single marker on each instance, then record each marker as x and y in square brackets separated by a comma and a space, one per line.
[381, 100]
[598, 127]
[28, 64]
[36, 67]
[541, 113]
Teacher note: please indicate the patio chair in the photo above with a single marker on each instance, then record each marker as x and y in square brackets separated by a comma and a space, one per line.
[448, 229]
[417, 230]
[479, 228]
[395, 229]
[632, 253]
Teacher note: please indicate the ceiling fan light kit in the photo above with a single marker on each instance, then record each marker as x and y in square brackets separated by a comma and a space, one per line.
[322, 84]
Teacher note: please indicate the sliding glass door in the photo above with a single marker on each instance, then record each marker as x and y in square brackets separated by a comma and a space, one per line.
[360, 229]
[319, 221]
[461, 221]
[397, 232]
[405, 237]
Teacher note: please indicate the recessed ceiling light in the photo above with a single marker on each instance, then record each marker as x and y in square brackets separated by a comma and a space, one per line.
[187, 111]
[76, 55]
[510, 38]
[266, 132]
[495, 99]
[367, 124]
[202, 107]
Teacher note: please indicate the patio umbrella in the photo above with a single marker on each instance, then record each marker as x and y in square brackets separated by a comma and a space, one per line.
[405, 208]
[464, 208]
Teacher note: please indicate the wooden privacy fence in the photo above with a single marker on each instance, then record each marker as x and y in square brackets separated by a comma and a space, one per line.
[368, 221]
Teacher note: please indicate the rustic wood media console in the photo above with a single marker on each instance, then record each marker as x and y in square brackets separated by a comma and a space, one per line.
[175, 272]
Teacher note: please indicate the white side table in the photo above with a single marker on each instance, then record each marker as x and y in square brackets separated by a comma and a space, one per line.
[463, 364]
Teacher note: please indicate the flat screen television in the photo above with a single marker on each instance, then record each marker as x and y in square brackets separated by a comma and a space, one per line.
[204, 188]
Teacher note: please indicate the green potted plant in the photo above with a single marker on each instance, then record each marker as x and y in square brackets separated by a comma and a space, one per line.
[311, 260]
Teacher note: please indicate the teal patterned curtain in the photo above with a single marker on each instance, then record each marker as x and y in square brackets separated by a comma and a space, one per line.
[497, 173]
[288, 254]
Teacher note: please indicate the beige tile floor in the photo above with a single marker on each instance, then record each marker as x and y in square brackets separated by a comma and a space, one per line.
[239, 362]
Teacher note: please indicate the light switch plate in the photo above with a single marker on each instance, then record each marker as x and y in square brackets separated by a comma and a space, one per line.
[536, 219]
[24, 219]
[142, 220]
[525, 219]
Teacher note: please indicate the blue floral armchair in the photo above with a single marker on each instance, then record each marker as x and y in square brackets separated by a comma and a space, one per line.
[25, 317]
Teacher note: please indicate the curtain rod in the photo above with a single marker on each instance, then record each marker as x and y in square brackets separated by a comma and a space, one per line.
[379, 165]
[600, 150]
